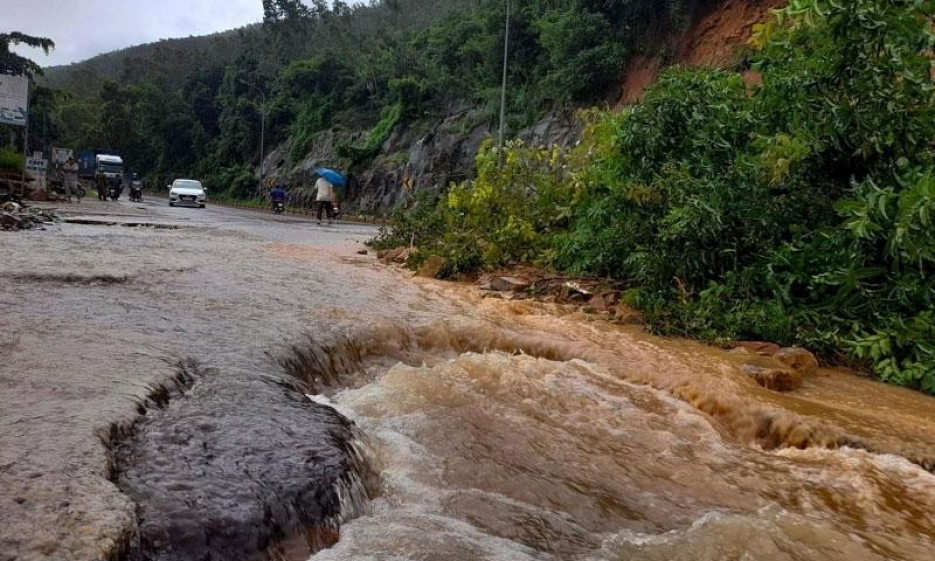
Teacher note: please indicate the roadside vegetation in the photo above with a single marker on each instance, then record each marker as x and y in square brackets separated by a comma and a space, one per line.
[798, 210]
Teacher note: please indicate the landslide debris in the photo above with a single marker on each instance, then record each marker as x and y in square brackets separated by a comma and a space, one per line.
[18, 216]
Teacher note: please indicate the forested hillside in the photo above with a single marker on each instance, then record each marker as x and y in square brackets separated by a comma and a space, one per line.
[197, 106]
[792, 203]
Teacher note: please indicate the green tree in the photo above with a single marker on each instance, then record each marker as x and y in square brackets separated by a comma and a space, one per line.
[275, 11]
[12, 63]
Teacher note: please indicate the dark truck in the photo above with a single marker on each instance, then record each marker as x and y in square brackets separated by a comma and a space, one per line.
[109, 162]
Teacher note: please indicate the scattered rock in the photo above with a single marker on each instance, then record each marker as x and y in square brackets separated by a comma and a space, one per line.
[499, 295]
[508, 284]
[398, 255]
[597, 303]
[775, 378]
[389, 256]
[432, 267]
[759, 347]
[14, 216]
[799, 359]
[404, 255]
[626, 315]
[604, 302]
[361, 252]
[576, 288]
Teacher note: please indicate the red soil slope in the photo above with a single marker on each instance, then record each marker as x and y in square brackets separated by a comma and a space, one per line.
[713, 41]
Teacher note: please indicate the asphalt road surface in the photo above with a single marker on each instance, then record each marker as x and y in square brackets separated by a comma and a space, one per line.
[98, 308]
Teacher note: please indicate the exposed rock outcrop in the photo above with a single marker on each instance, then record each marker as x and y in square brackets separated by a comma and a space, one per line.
[423, 158]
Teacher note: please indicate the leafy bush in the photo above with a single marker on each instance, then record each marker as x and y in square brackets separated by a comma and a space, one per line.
[421, 222]
[235, 182]
[581, 59]
[510, 212]
[10, 160]
[314, 116]
[375, 138]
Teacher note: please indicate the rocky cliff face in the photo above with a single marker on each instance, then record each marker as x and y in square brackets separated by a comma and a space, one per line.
[413, 159]
[431, 156]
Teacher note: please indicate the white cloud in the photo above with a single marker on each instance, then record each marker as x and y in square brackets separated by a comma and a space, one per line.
[82, 29]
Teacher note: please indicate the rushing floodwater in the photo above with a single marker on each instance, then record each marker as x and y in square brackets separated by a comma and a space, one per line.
[598, 443]
[496, 430]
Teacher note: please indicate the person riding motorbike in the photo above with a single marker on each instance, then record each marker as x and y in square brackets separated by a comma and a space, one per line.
[277, 197]
[136, 188]
[116, 187]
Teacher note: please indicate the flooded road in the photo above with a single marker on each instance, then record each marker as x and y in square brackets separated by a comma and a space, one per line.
[478, 428]
[561, 449]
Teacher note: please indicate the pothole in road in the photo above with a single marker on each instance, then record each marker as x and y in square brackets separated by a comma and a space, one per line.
[96, 222]
[70, 278]
[271, 477]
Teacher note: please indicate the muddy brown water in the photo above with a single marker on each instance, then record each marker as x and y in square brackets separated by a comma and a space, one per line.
[533, 436]
[447, 426]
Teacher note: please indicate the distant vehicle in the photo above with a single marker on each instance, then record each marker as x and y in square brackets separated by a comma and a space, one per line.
[90, 160]
[187, 192]
[110, 164]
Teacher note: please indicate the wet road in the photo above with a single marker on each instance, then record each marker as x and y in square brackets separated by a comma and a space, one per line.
[92, 315]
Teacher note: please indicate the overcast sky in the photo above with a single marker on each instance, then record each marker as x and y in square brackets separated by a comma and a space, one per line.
[84, 28]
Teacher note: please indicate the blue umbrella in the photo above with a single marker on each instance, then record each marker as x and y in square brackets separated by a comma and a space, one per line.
[332, 176]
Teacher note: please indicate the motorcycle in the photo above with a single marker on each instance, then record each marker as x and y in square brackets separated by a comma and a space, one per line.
[136, 193]
[57, 187]
[279, 207]
[116, 189]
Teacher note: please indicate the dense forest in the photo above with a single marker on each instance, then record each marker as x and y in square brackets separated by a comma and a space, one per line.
[197, 106]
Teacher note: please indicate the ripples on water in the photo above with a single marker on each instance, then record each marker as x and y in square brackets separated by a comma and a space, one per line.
[549, 438]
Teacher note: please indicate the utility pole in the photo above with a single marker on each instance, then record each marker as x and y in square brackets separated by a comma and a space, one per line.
[262, 125]
[262, 133]
[506, 51]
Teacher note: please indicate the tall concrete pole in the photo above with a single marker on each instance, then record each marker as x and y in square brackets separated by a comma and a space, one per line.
[506, 52]
[262, 133]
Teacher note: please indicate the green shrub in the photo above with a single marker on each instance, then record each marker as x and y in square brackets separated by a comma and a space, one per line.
[421, 223]
[10, 160]
[375, 138]
[314, 116]
[510, 212]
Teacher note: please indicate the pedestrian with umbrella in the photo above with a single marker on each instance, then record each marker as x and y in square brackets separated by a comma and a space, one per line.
[327, 180]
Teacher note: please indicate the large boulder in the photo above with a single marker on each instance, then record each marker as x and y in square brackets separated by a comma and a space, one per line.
[799, 359]
[432, 267]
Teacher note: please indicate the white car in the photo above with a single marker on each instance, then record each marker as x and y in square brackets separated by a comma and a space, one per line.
[187, 192]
